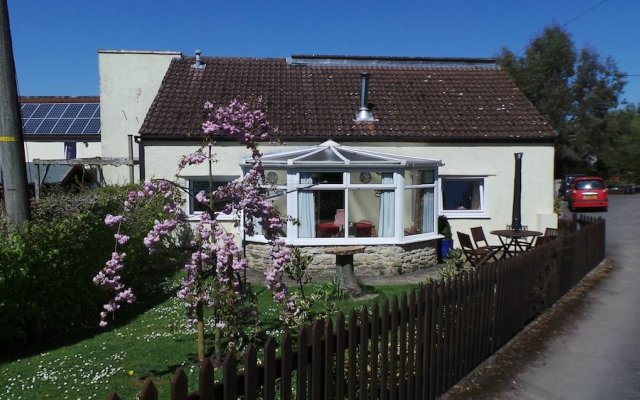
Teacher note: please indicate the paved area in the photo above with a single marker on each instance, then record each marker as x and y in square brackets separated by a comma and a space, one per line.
[587, 345]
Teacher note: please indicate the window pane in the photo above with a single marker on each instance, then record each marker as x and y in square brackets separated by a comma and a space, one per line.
[275, 177]
[279, 200]
[318, 178]
[364, 212]
[366, 178]
[419, 177]
[321, 213]
[419, 215]
[70, 150]
[196, 186]
[461, 194]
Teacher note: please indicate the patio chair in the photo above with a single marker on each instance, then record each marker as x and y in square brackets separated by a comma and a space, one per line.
[481, 241]
[522, 227]
[549, 234]
[475, 256]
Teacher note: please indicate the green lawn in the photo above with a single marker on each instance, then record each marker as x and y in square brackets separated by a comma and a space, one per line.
[154, 343]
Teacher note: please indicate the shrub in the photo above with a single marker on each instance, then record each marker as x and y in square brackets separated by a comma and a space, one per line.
[46, 288]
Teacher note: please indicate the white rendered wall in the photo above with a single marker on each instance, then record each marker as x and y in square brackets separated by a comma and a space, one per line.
[129, 81]
[496, 162]
[55, 150]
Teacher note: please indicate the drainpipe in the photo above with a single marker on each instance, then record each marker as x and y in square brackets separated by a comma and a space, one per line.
[140, 143]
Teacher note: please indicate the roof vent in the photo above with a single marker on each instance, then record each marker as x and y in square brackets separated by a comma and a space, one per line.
[364, 114]
[198, 63]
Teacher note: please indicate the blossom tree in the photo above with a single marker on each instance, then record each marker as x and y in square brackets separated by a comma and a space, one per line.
[215, 269]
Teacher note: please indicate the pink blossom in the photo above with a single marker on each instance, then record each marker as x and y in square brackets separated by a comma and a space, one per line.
[112, 220]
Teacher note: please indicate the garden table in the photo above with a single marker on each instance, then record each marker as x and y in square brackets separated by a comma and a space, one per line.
[515, 241]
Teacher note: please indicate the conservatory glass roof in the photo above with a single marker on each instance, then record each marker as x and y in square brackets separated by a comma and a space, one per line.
[331, 153]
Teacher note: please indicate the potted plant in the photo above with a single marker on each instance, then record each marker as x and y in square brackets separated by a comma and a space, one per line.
[446, 244]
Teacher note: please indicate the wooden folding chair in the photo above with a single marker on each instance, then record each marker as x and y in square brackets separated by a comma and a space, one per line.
[549, 234]
[481, 241]
[475, 256]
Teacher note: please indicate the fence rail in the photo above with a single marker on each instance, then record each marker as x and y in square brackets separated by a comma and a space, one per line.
[416, 346]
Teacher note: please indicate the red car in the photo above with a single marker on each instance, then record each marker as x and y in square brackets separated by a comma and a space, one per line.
[588, 192]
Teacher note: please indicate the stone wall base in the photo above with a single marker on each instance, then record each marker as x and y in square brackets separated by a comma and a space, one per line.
[376, 260]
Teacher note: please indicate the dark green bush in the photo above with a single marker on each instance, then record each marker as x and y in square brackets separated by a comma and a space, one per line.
[46, 288]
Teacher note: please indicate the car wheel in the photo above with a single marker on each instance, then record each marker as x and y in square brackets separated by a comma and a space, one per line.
[605, 209]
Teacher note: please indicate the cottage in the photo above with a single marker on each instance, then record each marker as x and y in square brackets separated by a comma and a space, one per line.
[374, 148]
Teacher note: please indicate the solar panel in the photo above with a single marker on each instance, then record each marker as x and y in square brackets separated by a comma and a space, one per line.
[31, 125]
[57, 110]
[28, 109]
[88, 111]
[61, 118]
[93, 126]
[46, 125]
[42, 111]
[78, 125]
[72, 111]
[62, 125]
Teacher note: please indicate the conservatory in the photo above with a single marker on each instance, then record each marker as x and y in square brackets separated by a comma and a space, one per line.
[340, 195]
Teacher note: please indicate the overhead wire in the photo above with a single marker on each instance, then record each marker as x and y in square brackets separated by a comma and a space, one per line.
[582, 14]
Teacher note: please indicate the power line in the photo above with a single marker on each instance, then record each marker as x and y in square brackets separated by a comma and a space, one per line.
[584, 13]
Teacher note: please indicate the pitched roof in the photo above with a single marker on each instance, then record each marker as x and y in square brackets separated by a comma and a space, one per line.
[317, 97]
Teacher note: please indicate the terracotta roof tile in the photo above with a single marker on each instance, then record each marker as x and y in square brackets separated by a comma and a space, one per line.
[426, 102]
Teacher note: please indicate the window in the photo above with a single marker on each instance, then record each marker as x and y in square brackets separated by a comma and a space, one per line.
[420, 211]
[198, 184]
[463, 196]
[343, 195]
[69, 150]
[346, 205]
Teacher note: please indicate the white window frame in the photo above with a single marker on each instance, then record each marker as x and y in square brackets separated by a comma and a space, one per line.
[189, 204]
[293, 187]
[464, 214]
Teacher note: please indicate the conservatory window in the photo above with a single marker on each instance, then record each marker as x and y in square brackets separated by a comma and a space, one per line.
[329, 208]
[343, 195]
[420, 211]
[463, 196]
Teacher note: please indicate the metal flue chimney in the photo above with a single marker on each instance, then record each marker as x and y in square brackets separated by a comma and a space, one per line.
[198, 63]
[516, 215]
[364, 114]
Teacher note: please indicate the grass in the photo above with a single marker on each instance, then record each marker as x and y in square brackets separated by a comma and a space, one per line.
[154, 343]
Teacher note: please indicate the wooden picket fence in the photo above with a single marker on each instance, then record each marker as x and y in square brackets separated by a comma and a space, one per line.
[416, 346]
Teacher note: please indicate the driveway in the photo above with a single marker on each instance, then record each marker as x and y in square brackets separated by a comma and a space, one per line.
[588, 345]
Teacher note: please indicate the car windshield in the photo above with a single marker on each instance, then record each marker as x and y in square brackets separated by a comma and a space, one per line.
[589, 184]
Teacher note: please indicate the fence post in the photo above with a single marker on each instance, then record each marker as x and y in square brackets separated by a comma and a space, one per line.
[269, 369]
[250, 373]
[179, 385]
[206, 380]
[149, 391]
[328, 376]
[229, 377]
[287, 367]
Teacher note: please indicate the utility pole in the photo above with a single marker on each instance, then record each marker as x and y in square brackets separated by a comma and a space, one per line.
[14, 176]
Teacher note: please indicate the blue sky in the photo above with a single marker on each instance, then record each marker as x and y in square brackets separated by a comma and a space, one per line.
[56, 41]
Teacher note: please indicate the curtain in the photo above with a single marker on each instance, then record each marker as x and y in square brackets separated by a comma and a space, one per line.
[427, 211]
[387, 208]
[306, 209]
